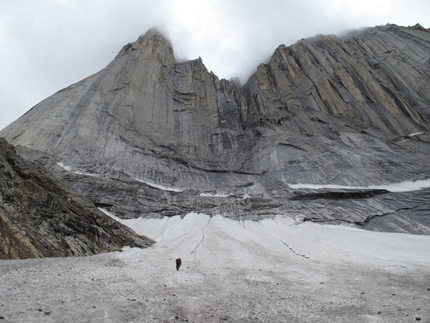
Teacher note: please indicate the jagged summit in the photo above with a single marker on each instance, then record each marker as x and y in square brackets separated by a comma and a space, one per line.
[349, 110]
[154, 33]
[153, 42]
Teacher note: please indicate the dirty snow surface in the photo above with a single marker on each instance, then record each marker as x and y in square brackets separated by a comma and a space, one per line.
[274, 270]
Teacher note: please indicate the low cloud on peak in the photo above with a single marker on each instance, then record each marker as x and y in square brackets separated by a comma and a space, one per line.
[46, 46]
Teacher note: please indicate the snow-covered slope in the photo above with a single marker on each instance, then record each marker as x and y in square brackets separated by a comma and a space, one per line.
[249, 244]
[274, 270]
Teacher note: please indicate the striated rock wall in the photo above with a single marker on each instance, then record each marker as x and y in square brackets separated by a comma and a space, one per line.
[145, 113]
[350, 110]
[376, 79]
[41, 217]
[141, 103]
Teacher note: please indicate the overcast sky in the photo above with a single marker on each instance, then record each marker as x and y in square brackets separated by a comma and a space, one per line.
[46, 45]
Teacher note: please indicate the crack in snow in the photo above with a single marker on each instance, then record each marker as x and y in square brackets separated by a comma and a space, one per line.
[283, 242]
[292, 250]
[203, 237]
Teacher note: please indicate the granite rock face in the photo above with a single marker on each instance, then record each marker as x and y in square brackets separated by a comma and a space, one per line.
[150, 136]
[41, 217]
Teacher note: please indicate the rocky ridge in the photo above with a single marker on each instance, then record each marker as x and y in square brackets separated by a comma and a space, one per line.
[150, 136]
[42, 217]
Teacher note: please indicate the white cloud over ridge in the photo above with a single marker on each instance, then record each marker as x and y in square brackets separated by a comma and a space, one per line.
[48, 45]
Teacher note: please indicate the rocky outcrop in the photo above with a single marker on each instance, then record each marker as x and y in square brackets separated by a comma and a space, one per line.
[373, 80]
[41, 217]
[150, 136]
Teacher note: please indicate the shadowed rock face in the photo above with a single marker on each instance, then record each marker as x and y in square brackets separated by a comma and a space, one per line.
[41, 217]
[327, 110]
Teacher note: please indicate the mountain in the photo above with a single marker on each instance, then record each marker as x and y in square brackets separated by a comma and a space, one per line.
[151, 136]
[41, 217]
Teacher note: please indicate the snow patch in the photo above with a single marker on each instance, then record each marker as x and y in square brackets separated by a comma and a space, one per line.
[214, 195]
[158, 186]
[246, 196]
[68, 168]
[406, 186]
[87, 174]
[415, 134]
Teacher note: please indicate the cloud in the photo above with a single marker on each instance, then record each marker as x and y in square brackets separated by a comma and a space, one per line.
[47, 45]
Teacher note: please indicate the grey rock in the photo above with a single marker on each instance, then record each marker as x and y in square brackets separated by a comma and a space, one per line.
[327, 110]
[41, 217]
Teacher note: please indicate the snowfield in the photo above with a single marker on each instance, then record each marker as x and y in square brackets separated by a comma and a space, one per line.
[274, 270]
